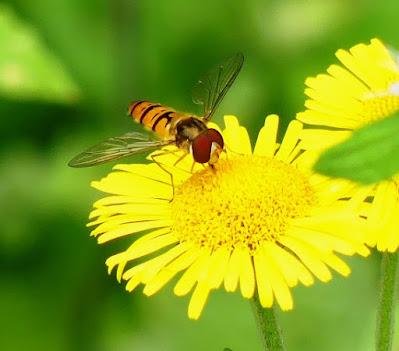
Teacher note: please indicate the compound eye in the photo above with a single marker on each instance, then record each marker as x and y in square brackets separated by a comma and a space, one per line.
[201, 148]
[202, 145]
[215, 136]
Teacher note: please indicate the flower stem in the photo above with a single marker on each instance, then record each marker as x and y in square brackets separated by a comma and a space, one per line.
[387, 303]
[267, 325]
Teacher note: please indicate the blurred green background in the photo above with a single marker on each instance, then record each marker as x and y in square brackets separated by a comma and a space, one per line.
[68, 69]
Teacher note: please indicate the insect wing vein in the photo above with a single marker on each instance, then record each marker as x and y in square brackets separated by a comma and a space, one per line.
[116, 148]
[211, 89]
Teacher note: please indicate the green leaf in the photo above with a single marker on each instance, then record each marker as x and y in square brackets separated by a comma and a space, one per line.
[370, 155]
[28, 69]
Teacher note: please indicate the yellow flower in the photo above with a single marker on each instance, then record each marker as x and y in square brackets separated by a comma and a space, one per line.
[260, 221]
[347, 98]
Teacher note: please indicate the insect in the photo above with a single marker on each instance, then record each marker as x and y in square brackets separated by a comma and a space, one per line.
[186, 131]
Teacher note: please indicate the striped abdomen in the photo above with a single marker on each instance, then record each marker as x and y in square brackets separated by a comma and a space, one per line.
[154, 116]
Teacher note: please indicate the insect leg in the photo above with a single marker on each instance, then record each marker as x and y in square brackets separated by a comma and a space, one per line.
[225, 151]
[192, 167]
[181, 158]
[233, 152]
[164, 169]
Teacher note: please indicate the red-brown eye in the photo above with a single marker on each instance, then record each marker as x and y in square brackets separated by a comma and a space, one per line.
[215, 136]
[202, 145]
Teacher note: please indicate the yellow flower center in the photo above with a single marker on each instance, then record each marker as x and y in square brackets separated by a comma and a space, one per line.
[379, 105]
[243, 202]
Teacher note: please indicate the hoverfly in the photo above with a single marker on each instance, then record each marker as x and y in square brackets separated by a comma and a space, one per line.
[186, 131]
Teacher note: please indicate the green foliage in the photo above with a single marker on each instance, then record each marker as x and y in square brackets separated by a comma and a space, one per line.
[29, 70]
[370, 155]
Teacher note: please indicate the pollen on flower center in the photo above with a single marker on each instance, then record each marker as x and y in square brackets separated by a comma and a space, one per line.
[379, 105]
[243, 202]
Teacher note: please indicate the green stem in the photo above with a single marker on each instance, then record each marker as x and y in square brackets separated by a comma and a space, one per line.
[267, 325]
[387, 302]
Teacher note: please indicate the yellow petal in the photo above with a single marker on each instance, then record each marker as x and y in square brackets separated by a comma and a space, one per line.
[217, 267]
[392, 242]
[151, 267]
[329, 91]
[330, 190]
[134, 282]
[341, 225]
[337, 264]
[265, 292]
[198, 300]
[322, 240]
[291, 268]
[266, 143]
[233, 271]
[309, 256]
[156, 264]
[247, 275]
[290, 140]
[190, 276]
[319, 139]
[169, 271]
[330, 109]
[135, 276]
[320, 116]
[162, 208]
[236, 137]
[384, 201]
[360, 195]
[149, 246]
[108, 222]
[149, 171]
[129, 184]
[353, 86]
[158, 281]
[122, 199]
[281, 291]
[176, 161]
[131, 228]
[121, 258]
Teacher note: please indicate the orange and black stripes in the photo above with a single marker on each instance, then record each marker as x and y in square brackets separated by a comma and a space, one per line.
[153, 116]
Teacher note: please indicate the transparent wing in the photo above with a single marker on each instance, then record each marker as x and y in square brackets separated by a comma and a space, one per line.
[213, 86]
[115, 148]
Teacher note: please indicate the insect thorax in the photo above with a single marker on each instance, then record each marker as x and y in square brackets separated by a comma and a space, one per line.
[187, 130]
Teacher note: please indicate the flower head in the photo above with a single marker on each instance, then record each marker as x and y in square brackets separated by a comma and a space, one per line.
[260, 220]
[365, 90]
[345, 98]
